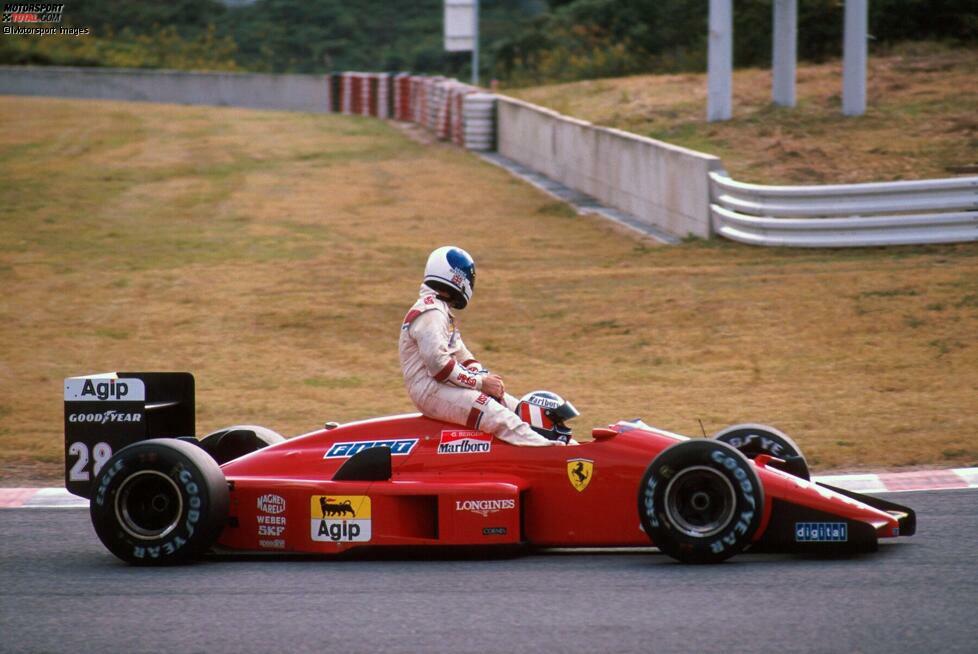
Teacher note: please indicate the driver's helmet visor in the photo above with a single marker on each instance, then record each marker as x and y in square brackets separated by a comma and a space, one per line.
[563, 413]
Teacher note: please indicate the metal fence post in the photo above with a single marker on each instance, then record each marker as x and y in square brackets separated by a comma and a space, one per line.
[475, 44]
[785, 52]
[854, 58]
[719, 98]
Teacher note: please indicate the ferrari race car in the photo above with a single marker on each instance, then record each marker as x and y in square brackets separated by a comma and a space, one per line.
[159, 495]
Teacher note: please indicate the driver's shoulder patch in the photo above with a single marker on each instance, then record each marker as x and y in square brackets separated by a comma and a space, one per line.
[423, 305]
[409, 318]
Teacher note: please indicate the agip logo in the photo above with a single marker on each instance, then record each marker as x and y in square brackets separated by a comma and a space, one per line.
[340, 518]
[104, 389]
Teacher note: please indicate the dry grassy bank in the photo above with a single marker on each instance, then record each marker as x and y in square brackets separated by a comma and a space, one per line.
[274, 255]
[920, 121]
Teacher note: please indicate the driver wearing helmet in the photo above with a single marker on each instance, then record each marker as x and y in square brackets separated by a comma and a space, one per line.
[547, 414]
[443, 378]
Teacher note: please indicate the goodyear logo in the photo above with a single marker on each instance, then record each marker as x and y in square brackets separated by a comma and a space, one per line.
[821, 532]
[340, 518]
[398, 447]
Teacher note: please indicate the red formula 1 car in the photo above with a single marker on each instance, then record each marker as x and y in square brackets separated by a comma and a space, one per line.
[159, 495]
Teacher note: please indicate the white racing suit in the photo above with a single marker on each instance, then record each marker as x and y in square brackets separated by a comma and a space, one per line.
[444, 379]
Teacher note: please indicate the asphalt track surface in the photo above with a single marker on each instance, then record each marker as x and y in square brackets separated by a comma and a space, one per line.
[60, 591]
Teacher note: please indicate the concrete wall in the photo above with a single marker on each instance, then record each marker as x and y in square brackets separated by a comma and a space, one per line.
[663, 185]
[252, 90]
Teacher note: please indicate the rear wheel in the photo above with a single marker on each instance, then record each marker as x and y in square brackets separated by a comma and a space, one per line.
[234, 442]
[754, 439]
[159, 502]
[700, 501]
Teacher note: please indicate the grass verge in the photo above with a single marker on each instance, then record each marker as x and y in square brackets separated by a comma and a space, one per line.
[920, 121]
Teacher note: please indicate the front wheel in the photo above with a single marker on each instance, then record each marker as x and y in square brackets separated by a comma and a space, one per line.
[700, 501]
[159, 501]
[753, 439]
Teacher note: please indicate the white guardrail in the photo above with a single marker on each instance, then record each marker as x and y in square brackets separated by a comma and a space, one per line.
[846, 215]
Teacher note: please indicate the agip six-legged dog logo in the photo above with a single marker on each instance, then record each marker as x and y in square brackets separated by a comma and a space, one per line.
[330, 507]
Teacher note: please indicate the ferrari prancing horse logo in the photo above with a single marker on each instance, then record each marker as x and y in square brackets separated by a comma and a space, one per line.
[579, 471]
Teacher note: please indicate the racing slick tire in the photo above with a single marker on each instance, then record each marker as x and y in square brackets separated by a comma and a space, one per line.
[234, 442]
[158, 502]
[753, 439]
[700, 501]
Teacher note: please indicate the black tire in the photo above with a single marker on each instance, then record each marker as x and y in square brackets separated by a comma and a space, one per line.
[754, 439]
[700, 501]
[234, 442]
[158, 502]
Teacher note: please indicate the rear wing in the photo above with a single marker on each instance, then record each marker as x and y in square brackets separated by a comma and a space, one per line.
[106, 412]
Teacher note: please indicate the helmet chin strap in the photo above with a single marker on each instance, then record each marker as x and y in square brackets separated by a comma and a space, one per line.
[445, 295]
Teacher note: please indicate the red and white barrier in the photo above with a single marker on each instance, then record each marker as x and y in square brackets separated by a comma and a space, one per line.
[436, 103]
[419, 101]
[383, 92]
[356, 94]
[402, 97]
[347, 91]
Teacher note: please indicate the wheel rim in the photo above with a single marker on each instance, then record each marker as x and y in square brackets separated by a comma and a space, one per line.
[148, 505]
[699, 501]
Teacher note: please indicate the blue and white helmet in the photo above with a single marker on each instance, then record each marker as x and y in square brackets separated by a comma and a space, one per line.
[452, 270]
